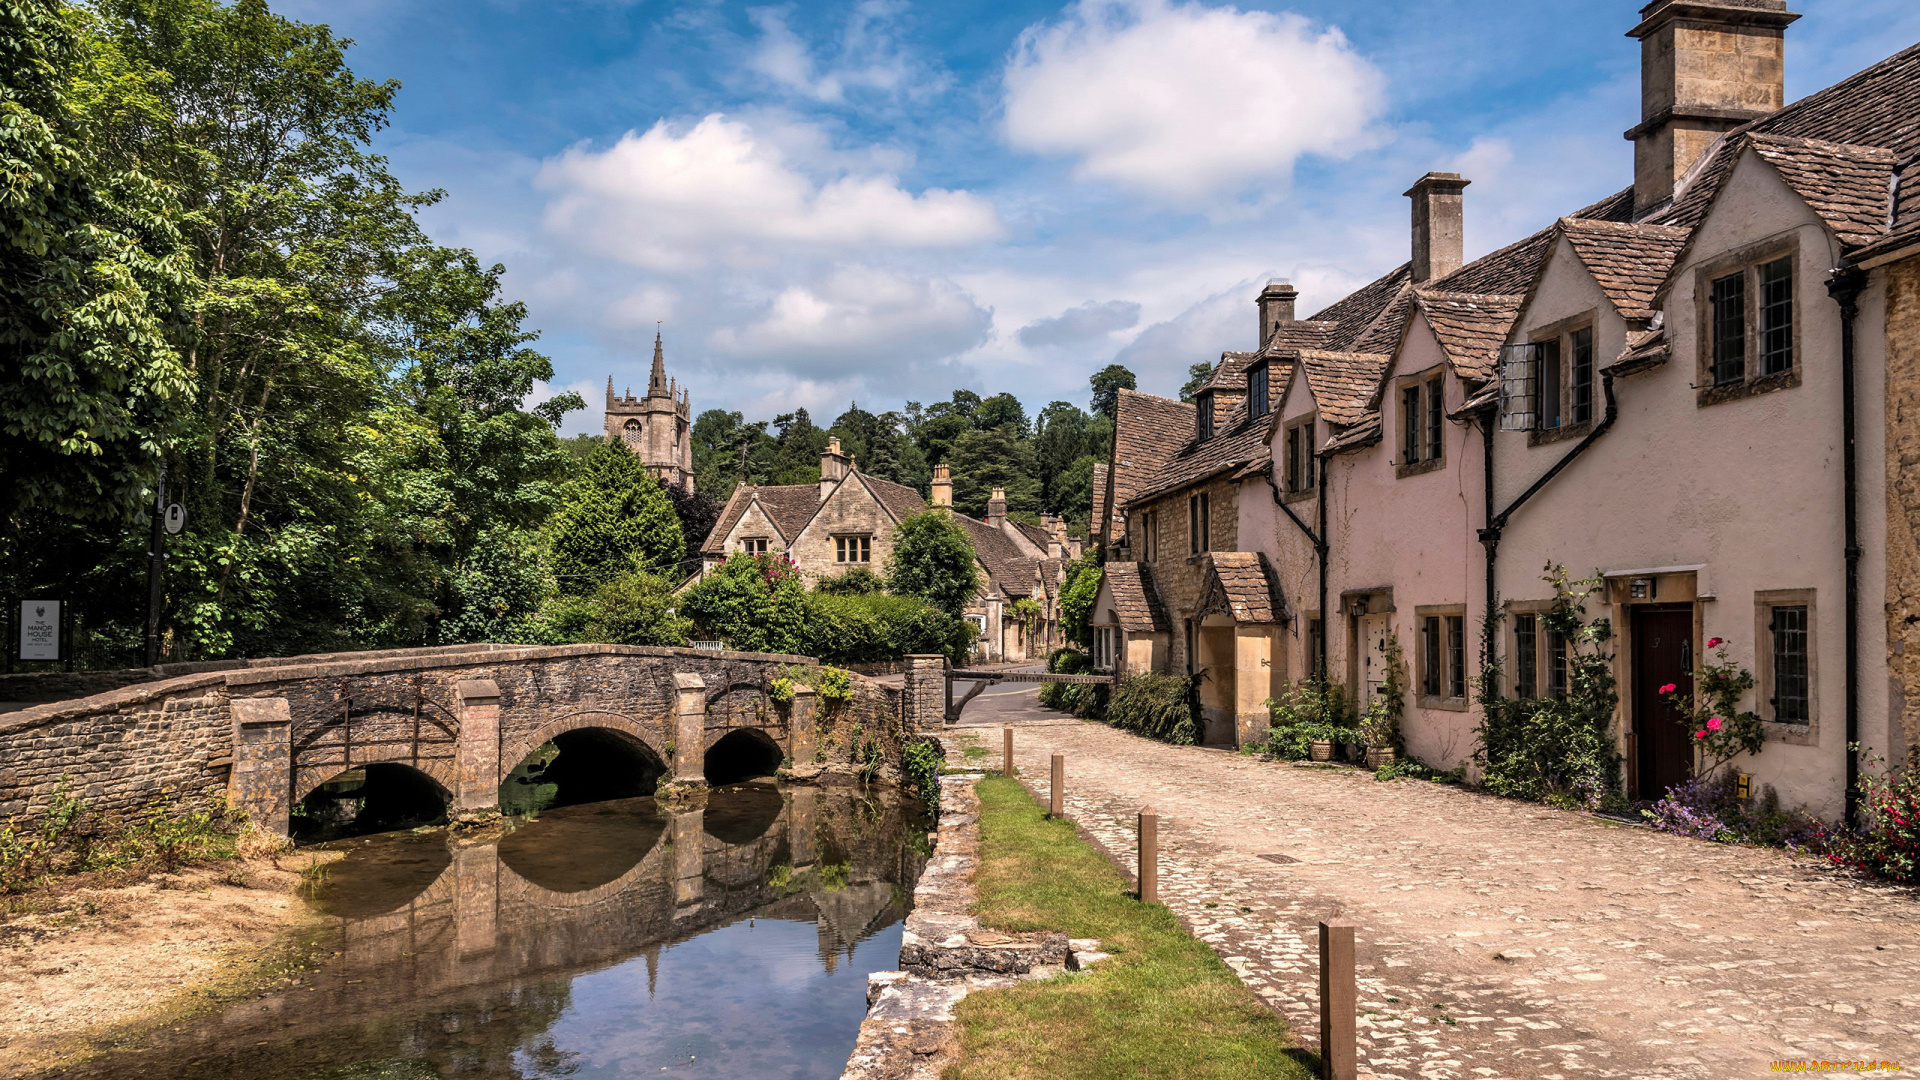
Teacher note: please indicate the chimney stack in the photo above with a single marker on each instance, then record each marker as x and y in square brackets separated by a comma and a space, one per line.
[997, 508]
[1439, 230]
[1276, 307]
[1056, 536]
[834, 466]
[941, 491]
[1706, 67]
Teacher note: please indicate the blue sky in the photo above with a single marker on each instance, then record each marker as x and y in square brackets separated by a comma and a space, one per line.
[879, 201]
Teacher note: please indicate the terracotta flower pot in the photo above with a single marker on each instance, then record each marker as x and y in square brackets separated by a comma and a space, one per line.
[1380, 755]
[1322, 749]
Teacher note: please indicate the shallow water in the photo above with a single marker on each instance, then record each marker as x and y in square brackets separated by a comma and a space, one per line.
[606, 940]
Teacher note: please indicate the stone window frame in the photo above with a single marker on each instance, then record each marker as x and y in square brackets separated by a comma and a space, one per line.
[1443, 701]
[633, 433]
[1105, 642]
[1764, 601]
[1264, 400]
[1542, 652]
[1310, 422]
[755, 545]
[1149, 535]
[1559, 334]
[1432, 385]
[1747, 261]
[1199, 524]
[843, 542]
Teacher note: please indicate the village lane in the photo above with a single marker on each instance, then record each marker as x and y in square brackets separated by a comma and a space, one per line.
[1496, 938]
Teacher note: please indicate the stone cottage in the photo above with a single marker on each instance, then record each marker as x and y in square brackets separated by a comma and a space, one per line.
[1702, 387]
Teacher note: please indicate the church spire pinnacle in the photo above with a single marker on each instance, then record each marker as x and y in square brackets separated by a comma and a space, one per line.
[657, 385]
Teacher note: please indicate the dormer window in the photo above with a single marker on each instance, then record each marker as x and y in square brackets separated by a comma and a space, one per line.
[1257, 403]
[1546, 385]
[1300, 461]
[1422, 426]
[1203, 416]
[1746, 318]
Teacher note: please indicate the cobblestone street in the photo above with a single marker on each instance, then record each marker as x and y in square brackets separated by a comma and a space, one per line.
[1496, 938]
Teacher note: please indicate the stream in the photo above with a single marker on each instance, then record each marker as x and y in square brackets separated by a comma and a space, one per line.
[601, 940]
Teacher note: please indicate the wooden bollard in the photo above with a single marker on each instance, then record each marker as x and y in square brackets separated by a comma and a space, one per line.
[1007, 763]
[1058, 802]
[1339, 1002]
[1149, 856]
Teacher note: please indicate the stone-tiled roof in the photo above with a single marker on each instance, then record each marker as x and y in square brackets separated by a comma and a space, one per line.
[1134, 600]
[1035, 535]
[1288, 337]
[1470, 327]
[1360, 434]
[1012, 571]
[1630, 262]
[1241, 440]
[1342, 383]
[1097, 524]
[1148, 432]
[1357, 312]
[1846, 185]
[1230, 374]
[1246, 588]
[1645, 349]
[789, 506]
[898, 499]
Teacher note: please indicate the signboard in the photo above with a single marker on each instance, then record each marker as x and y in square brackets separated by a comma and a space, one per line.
[176, 518]
[39, 629]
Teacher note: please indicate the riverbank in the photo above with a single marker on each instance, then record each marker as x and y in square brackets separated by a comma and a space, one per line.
[87, 963]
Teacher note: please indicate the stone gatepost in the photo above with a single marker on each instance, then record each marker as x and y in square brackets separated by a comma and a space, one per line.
[476, 896]
[261, 783]
[689, 780]
[477, 755]
[924, 703]
[687, 832]
[803, 729]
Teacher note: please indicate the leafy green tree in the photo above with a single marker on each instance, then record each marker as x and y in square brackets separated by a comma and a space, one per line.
[698, 513]
[933, 559]
[497, 590]
[94, 279]
[1077, 595]
[797, 450]
[752, 602]
[1107, 384]
[614, 519]
[1066, 447]
[1198, 376]
[1001, 411]
[727, 451]
[858, 581]
[984, 460]
[636, 609]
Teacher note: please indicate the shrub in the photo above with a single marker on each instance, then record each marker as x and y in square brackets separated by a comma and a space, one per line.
[1887, 841]
[863, 628]
[1712, 715]
[920, 759]
[1709, 807]
[752, 602]
[858, 581]
[1085, 700]
[1559, 749]
[634, 609]
[1077, 595]
[1307, 712]
[1157, 706]
[834, 685]
[70, 838]
[933, 559]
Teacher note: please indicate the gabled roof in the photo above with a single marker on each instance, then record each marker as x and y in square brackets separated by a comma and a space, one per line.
[1148, 432]
[788, 506]
[1342, 383]
[1011, 571]
[1846, 185]
[1134, 600]
[1629, 262]
[1242, 585]
[1470, 328]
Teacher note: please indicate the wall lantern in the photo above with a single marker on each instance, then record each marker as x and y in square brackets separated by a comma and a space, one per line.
[1643, 588]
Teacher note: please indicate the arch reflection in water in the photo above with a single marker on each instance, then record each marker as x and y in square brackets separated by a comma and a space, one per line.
[588, 764]
[643, 957]
[373, 798]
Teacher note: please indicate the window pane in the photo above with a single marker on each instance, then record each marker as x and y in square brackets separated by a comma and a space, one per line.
[1409, 425]
[1550, 382]
[1203, 414]
[1430, 656]
[1556, 664]
[1456, 656]
[1580, 383]
[1790, 665]
[1776, 317]
[1436, 404]
[1306, 449]
[1729, 315]
[1526, 657]
[1257, 392]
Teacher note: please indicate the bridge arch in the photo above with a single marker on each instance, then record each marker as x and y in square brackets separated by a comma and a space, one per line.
[391, 794]
[741, 753]
[600, 755]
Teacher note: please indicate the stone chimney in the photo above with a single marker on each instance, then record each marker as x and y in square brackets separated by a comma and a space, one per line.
[997, 508]
[834, 466]
[1439, 232]
[940, 492]
[1276, 307]
[1706, 67]
[1056, 536]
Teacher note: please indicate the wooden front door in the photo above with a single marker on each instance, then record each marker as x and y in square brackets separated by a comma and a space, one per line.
[1662, 654]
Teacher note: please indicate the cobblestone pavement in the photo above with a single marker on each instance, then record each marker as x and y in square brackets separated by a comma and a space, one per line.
[1496, 938]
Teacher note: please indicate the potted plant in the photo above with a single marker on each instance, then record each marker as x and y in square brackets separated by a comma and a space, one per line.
[1380, 724]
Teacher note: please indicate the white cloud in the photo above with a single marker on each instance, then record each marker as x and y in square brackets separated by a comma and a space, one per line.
[870, 56]
[1077, 324]
[679, 198]
[859, 315]
[1184, 100]
[1162, 353]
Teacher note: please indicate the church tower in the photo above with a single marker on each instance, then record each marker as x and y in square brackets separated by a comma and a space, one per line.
[655, 426]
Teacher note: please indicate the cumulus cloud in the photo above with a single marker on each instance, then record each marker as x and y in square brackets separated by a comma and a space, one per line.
[678, 198]
[1184, 100]
[1076, 324]
[1163, 351]
[859, 315]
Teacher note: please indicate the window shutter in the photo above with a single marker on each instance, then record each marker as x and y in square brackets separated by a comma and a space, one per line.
[1519, 388]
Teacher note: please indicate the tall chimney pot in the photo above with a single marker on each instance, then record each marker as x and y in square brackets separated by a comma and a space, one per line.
[1439, 229]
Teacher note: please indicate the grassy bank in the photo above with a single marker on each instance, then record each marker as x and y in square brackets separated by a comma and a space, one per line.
[1164, 1006]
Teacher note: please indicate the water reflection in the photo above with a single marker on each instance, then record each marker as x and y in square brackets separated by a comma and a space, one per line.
[602, 940]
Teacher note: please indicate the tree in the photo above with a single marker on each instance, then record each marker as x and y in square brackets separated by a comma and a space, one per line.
[1000, 411]
[752, 602]
[933, 559]
[984, 460]
[94, 280]
[616, 518]
[1066, 440]
[1077, 595]
[874, 442]
[727, 451]
[635, 609]
[1198, 376]
[1107, 384]
[797, 450]
[697, 513]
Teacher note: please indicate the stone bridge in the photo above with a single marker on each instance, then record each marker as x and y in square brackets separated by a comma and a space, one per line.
[267, 733]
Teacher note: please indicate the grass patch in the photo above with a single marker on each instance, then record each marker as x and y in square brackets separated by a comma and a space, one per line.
[1164, 1006]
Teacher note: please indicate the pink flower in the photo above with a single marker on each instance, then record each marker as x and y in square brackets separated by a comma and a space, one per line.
[1713, 723]
[1699, 734]
[1669, 688]
[1714, 643]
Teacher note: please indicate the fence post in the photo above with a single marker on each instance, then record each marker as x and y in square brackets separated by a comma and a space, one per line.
[1058, 803]
[1007, 761]
[1149, 856]
[1339, 1002]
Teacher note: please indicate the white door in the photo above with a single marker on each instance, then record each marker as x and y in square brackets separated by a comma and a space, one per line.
[1374, 632]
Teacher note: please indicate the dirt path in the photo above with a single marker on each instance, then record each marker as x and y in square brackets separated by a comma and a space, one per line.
[1497, 938]
[103, 958]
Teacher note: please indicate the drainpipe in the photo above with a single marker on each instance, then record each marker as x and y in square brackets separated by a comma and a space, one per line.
[1488, 537]
[1319, 542]
[1845, 285]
